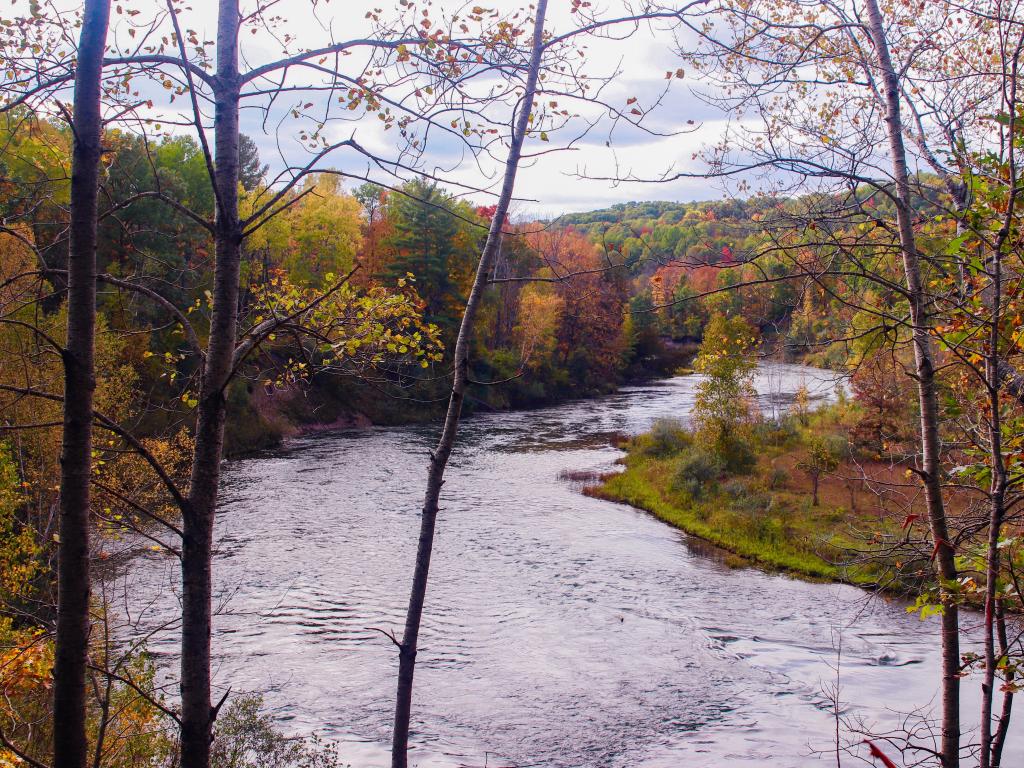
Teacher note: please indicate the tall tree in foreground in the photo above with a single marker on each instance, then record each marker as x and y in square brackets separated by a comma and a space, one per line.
[197, 712]
[922, 328]
[72, 639]
[407, 648]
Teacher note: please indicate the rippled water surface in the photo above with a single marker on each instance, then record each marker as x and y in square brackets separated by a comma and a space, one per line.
[560, 630]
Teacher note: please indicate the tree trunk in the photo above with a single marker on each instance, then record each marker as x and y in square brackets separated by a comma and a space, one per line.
[440, 455]
[72, 639]
[197, 711]
[990, 747]
[1003, 723]
[920, 318]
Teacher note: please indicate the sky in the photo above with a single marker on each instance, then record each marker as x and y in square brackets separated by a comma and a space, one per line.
[566, 179]
[573, 171]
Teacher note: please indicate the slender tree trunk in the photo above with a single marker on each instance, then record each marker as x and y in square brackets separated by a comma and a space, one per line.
[991, 745]
[197, 711]
[996, 506]
[997, 501]
[920, 319]
[1003, 724]
[440, 455]
[72, 640]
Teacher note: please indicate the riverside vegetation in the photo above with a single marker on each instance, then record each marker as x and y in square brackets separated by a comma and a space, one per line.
[767, 490]
[816, 492]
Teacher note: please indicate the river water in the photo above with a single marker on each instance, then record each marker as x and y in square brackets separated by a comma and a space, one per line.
[560, 630]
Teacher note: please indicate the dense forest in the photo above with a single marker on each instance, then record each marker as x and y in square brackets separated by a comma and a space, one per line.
[217, 235]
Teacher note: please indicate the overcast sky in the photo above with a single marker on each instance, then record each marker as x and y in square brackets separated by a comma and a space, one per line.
[556, 182]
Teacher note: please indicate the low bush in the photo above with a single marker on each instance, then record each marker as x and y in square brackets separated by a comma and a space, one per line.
[736, 455]
[697, 472]
[776, 432]
[776, 478]
[247, 737]
[837, 445]
[666, 438]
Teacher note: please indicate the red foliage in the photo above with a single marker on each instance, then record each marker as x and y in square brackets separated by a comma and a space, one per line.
[876, 752]
[592, 324]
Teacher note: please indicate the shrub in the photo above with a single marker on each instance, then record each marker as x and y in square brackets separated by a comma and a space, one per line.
[746, 498]
[247, 737]
[736, 454]
[697, 471]
[735, 489]
[666, 438]
[837, 445]
[777, 478]
[776, 432]
[754, 502]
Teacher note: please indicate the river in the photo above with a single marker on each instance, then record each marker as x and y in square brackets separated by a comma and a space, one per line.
[560, 630]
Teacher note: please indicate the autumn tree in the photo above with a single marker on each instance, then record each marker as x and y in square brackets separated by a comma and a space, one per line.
[849, 100]
[73, 572]
[210, 78]
[590, 340]
[724, 406]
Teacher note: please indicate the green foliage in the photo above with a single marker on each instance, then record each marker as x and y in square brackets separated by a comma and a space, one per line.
[18, 549]
[251, 173]
[432, 240]
[667, 437]
[723, 410]
[823, 454]
[697, 471]
[775, 432]
[247, 737]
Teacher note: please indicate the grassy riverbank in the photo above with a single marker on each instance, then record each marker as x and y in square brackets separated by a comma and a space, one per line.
[766, 514]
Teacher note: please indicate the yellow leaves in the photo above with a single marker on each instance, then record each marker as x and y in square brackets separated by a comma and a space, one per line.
[26, 663]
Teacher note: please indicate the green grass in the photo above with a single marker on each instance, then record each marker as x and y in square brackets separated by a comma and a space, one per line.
[780, 530]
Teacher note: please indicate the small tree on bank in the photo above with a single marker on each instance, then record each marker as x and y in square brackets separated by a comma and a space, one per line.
[822, 458]
[724, 408]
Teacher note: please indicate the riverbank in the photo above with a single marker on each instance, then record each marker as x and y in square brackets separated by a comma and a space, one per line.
[262, 417]
[768, 516]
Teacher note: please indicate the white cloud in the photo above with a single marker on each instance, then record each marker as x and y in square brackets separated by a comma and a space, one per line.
[551, 183]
